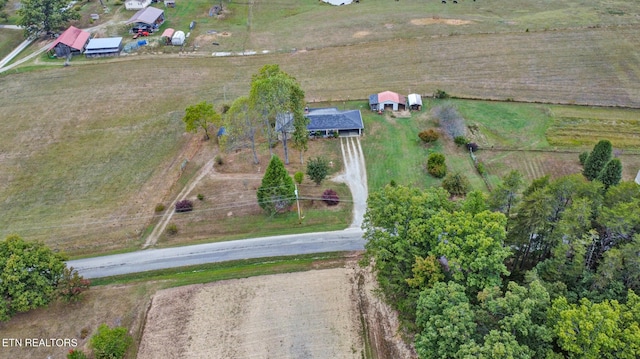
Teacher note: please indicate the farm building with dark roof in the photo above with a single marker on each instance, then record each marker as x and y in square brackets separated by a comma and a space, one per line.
[147, 19]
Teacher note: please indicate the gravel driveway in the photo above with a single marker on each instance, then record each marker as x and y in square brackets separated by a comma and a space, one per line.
[355, 176]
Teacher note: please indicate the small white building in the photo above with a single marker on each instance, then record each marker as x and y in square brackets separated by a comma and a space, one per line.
[136, 4]
[415, 101]
[178, 38]
[638, 178]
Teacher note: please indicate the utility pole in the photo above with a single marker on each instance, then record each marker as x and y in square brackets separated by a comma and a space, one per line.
[297, 202]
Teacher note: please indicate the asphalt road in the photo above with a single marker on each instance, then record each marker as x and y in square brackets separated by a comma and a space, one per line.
[152, 259]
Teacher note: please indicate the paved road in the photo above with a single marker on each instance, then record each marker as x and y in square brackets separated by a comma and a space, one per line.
[151, 259]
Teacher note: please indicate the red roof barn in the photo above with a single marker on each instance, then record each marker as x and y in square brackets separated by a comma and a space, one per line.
[72, 41]
[379, 101]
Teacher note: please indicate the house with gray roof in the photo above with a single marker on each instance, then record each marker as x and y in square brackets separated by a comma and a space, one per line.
[326, 121]
[147, 19]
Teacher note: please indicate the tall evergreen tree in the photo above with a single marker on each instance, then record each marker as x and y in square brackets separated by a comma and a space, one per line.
[597, 159]
[611, 174]
[277, 191]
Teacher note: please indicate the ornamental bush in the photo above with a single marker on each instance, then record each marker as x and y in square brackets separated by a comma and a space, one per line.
[436, 165]
[429, 135]
[330, 197]
[110, 343]
[184, 206]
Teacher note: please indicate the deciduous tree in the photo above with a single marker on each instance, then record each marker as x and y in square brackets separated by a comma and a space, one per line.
[243, 124]
[317, 169]
[29, 275]
[201, 116]
[45, 16]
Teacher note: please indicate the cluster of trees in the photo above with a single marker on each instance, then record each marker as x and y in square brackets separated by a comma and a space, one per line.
[544, 271]
[599, 164]
[31, 276]
[275, 103]
[44, 16]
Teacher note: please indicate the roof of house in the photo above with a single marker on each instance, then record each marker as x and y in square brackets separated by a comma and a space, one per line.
[333, 119]
[414, 99]
[167, 33]
[97, 45]
[147, 15]
[72, 37]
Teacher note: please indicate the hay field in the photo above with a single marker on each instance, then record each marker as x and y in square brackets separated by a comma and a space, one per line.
[87, 151]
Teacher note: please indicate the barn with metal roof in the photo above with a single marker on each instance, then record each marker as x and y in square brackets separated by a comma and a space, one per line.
[72, 41]
[381, 101]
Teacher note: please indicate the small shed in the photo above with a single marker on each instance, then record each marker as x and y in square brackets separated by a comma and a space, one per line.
[102, 47]
[72, 41]
[178, 38]
[329, 120]
[415, 101]
[638, 178]
[167, 35]
[136, 4]
[147, 19]
[382, 100]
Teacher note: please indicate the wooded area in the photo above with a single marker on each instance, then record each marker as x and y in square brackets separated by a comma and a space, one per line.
[546, 271]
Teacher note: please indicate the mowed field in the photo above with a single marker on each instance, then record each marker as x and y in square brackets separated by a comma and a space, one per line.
[87, 151]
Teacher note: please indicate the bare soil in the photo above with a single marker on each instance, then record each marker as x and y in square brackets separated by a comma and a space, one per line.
[314, 314]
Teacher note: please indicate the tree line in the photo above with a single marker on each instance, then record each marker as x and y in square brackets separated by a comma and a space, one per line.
[548, 270]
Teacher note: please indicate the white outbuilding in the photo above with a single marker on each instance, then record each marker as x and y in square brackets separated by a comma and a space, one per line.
[414, 101]
[178, 38]
[638, 178]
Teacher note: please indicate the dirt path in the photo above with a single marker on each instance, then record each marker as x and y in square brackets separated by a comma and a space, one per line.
[355, 176]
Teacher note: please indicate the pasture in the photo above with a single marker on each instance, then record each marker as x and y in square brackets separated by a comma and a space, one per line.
[87, 151]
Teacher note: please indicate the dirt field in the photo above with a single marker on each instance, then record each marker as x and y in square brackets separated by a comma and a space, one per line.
[324, 313]
[299, 315]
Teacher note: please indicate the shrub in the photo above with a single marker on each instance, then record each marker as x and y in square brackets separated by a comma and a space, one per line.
[317, 169]
[456, 184]
[219, 161]
[84, 332]
[71, 285]
[472, 146]
[583, 157]
[438, 171]
[460, 140]
[481, 170]
[159, 207]
[298, 177]
[428, 135]
[436, 165]
[172, 229]
[330, 197]
[441, 94]
[450, 120]
[110, 343]
[184, 206]
[200, 197]
[76, 354]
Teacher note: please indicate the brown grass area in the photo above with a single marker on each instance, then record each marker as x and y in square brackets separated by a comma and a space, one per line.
[437, 20]
[113, 305]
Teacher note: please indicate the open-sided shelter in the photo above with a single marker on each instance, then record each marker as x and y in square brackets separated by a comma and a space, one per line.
[382, 100]
[101, 47]
[72, 41]
[148, 19]
[326, 121]
[415, 101]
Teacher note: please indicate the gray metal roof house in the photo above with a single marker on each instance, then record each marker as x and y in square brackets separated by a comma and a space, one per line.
[325, 121]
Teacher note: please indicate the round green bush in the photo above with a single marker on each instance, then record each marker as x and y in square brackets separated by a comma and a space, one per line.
[429, 135]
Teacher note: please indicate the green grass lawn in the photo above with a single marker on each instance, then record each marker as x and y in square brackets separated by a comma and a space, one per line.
[9, 40]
